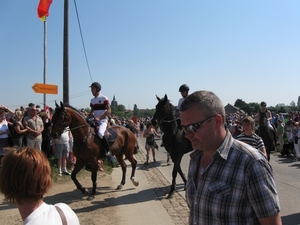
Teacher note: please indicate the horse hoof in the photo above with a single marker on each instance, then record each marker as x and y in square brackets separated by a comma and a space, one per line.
[134, 181]
[120, 186]
[170, 195]
[91, 197]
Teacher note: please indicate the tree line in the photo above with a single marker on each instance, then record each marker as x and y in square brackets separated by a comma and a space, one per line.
[254, 107]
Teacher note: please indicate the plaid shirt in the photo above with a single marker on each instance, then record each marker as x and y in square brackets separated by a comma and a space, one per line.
[236, 188]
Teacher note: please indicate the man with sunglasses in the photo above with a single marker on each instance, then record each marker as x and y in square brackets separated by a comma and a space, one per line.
[228, 182]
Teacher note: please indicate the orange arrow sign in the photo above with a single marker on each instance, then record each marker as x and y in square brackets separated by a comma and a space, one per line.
[45, 88]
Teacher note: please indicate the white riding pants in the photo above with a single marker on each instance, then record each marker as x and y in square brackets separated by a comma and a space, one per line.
[102, 128]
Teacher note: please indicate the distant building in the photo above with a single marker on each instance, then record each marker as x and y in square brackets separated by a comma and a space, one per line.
[231, 109]
[114, 102]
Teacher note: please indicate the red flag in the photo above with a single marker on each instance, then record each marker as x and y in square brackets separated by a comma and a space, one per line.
[43, 9]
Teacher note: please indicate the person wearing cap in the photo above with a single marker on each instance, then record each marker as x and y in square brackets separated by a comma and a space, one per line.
[184, 91]
[100, 110]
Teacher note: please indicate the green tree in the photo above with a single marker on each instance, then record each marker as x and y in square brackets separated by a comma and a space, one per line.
[239, 103]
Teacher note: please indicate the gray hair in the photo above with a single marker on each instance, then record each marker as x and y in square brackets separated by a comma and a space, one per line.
[208, 102]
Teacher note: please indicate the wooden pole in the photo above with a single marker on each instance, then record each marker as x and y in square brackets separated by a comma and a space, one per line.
[45, 59]
[66, 53]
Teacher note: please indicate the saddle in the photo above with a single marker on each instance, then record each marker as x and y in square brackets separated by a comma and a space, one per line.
[110, 133]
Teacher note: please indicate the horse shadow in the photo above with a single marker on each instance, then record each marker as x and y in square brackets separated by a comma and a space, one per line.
[292, 219]
[127, 199]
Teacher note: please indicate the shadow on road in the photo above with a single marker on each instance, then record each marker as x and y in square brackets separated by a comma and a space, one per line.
[293, 219]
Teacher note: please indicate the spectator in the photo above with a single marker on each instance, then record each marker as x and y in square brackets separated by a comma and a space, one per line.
[149, 134]
[280, 133]
[61, 148]
[46, 146]
[24, 179]
[296, 135]
[251, 138]
[288, 127]
[19, 130]
[228, 182]
[4, 133]
[238, 129]
[35, 126]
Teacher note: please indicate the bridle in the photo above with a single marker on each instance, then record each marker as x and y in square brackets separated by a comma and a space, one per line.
[162, 120]
[74, 128]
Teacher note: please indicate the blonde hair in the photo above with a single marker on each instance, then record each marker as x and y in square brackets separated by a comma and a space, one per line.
[18, 113]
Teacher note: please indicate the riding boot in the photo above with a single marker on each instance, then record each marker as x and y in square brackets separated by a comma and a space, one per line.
[106, 146]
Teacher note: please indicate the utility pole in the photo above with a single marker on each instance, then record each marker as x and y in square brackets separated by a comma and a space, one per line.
[66, 53]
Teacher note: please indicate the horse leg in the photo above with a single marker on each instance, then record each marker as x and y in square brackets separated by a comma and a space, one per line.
[123, 165]
[94, 180]
[182, 175]
[174, 175]
[78, 166]
[133, 165]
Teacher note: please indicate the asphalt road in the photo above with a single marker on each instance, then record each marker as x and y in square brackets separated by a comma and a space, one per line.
[286, 173]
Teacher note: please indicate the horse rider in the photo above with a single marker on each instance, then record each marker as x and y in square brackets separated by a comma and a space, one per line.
[264, 116]
[100, 110]
[184, 91]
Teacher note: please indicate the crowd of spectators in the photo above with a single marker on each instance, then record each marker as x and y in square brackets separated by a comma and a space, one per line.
[286, 124]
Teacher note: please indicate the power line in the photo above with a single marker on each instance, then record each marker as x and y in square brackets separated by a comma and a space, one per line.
[86, 59]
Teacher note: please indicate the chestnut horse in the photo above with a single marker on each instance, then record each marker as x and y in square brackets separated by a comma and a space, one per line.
[88, 147]
[174, 138]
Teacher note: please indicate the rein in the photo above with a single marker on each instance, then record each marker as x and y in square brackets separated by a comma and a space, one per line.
[167, 121]
[74, 128]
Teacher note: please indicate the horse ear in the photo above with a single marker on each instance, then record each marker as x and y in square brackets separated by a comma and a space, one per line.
[157, 98]
[62, 105]
[166, 97]
[56, 105]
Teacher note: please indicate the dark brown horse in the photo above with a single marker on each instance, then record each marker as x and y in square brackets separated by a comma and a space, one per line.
[88, 147]
[174, 139]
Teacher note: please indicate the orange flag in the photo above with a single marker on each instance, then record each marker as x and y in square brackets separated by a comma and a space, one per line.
[43, 9]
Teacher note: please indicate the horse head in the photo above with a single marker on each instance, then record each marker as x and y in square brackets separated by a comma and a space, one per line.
[60, 120]
[163, 110]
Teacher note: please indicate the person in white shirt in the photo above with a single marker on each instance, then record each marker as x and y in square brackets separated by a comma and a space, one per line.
[25, 178]
[100, 110]
[61, 149]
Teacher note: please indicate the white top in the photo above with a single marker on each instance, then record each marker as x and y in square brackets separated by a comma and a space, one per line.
[179, 103]
[48, 215]
[4, 128]
[64, 138]
[98, 104]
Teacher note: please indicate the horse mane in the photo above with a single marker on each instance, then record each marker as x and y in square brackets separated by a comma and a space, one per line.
[76, 110]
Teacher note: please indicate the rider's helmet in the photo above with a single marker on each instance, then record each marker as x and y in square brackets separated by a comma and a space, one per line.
[263, 104]
[96, 85]
[184, 87]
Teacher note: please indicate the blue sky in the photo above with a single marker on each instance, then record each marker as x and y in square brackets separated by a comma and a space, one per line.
[138, 49]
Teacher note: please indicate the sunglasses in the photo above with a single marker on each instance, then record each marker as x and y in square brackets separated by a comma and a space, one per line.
[193, 128]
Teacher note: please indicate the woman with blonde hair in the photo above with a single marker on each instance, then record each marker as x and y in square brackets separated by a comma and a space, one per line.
[25, 178]
[19, 130]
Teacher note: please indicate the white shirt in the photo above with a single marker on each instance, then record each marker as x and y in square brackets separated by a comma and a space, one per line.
[48, 215]
[98, 104]
[179, 103]
[64, 138]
